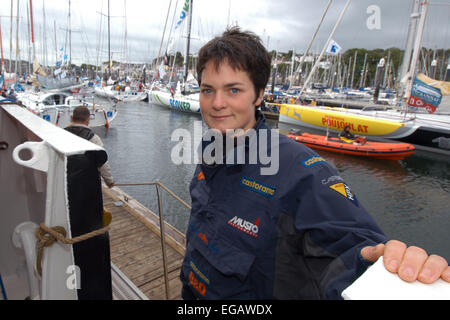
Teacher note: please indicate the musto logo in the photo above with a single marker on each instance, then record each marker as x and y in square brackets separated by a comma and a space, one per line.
[244, 225]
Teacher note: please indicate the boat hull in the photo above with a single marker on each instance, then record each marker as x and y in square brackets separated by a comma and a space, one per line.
[124, 96]
[61, 117]
[335, 121]
[377, 150]
[177, 102]
[57, 108]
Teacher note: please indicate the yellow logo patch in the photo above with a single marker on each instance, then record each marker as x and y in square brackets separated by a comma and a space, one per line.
[345, 191]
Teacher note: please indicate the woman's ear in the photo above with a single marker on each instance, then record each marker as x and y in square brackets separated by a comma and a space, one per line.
[259, 98]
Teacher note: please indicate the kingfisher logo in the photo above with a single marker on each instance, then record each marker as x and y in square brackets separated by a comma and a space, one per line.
[246, 226]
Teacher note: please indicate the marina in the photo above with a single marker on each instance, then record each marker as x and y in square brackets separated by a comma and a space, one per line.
[407, 197]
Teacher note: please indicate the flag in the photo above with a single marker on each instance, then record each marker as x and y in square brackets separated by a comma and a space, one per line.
[161, 72]
[333, 47]
[60, 57]
[424, 96]
[183, 13]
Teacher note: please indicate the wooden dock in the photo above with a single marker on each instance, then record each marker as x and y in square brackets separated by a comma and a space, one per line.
[135, 245]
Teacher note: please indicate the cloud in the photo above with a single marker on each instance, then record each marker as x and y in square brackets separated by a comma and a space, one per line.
[282, 25]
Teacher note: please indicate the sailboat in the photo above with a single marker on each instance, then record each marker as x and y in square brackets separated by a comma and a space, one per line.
[61, 79]
[128, 94]
[56, 106]
[430, 131]
[111, 90]
[180, 99]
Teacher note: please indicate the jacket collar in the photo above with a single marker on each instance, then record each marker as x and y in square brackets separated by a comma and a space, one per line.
[251, 141]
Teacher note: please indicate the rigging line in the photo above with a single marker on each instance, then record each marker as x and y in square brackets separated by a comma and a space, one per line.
[172, 26]
[85, 40]
[315, 34]
[164, 33]
[99, 41]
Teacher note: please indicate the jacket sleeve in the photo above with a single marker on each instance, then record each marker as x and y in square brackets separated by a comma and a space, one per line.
[332, 227]
[105, 169]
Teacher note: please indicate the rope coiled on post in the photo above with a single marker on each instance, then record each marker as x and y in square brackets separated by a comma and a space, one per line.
[48, 235]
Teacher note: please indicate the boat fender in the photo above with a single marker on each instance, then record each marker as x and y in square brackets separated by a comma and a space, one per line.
[106, 119]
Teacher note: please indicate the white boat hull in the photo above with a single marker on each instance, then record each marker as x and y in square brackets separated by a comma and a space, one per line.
[124, 96]
[57, 108]
[61, 117]
[177, 102]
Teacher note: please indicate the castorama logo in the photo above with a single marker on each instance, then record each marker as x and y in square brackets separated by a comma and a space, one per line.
[244, 225]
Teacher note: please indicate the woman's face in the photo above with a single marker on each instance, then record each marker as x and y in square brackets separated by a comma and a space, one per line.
[227, 98]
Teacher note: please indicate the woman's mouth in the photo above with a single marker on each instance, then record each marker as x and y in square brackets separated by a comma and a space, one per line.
[219, 118]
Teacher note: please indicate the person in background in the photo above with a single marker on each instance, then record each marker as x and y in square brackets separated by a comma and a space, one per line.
[348, 136]
[299, 233]
[346, 133]
[80, 127]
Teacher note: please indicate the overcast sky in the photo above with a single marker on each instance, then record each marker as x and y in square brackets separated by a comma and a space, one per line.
[282, 24]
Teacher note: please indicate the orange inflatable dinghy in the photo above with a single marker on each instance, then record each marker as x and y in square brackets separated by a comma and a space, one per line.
[357, 147]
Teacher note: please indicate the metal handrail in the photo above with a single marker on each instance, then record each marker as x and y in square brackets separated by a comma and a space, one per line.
[158, 184]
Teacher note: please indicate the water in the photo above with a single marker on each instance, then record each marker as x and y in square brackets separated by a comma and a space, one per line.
[409, 198]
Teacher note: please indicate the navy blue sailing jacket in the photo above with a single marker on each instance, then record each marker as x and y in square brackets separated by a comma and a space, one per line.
[296, 234]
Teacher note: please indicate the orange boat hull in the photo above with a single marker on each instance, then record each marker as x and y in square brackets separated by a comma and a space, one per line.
[377, 150]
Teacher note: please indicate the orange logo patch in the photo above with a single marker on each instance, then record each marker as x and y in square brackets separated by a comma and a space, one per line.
[198, 285]
[201, 176]
[203, 237]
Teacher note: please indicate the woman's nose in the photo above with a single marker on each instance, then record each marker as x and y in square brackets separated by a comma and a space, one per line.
[219, 100]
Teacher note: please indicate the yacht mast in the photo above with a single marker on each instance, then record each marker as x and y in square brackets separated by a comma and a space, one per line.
[164, 32]
[324, 48]
[10, 38]
[70, 41]
[299, 68]
[417, 45]
[125, 40]
[188, 40]
[32, 30]
[109, 43]
[17, 40]
[410, 40]
[2, 67]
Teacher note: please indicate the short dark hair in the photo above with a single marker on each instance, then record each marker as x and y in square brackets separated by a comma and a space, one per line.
[81, 114]
[243, 50]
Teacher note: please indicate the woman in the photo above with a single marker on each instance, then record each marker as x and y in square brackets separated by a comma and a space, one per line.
[297, 233]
